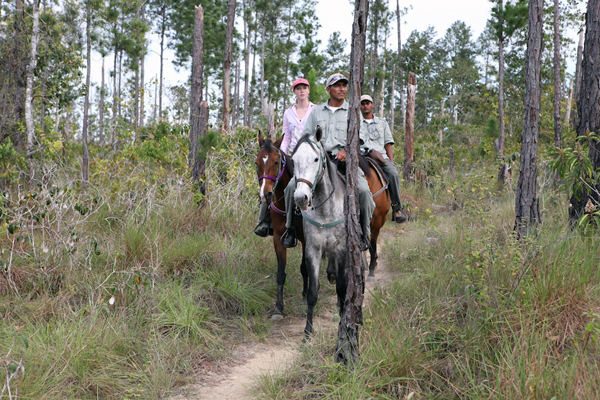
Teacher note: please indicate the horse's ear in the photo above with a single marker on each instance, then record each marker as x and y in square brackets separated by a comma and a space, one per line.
[261, 140]
[318, 134]
[278, 142]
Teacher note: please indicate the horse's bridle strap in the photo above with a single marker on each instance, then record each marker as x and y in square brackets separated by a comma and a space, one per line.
[310, 184]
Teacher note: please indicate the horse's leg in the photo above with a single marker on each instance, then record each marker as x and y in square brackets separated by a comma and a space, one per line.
[331, 270]
[373, 250]
[313, 258]
[281, 275]
[304, 272]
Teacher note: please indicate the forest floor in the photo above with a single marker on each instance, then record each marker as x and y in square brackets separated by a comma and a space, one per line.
[238, 380]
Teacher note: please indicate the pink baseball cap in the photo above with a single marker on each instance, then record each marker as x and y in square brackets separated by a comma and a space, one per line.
[300, 81]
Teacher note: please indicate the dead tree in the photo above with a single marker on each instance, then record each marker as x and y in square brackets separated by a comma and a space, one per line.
[348, 339]
[527, 205]
[409, 127]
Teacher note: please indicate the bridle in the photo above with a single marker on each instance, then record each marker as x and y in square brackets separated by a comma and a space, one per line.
[320, 172]
[280, 168]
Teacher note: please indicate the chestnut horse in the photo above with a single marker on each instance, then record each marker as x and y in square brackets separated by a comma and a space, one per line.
[274, 173]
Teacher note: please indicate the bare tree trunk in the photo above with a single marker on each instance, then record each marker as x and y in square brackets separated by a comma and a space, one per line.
[503, 167]
[569, 103]
[35, 38]
[236, 94]
[393, 99]
[382, 97]
[262, 66]
[588, 110]
[227, 67]
[409, 127]
[162, 61]
[347, 349]
[85, 162]
[113, 127]
[557, 89]
[101, 107]
[197, 119]
[400, 72]
[527, 207]
[577, 92]
[247, 36]
[252, 74]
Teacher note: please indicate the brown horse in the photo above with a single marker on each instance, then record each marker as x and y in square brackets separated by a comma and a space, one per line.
[378, 185]
[274, 173]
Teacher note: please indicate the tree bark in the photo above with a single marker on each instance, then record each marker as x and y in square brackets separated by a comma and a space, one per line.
[347, 349]
[101, 107]
[400, 72]
[85, 162]
[247, 36]
[198, 113]
[557, 89]
[527, 208]
[236, 94]
[577, 92]
[162, 60]
[569, 104]
[393, 99]
[588, 106]
[503, 167]
[409, 127]
[227, 67]
[29, 124]
[262, 66]
[381, 97]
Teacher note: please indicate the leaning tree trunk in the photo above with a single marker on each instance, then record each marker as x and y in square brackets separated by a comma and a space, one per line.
[227, 67]
[588, 106]
[557, 89]
[527, 205]
[347, 349]
[198, 116]
[409, 127]
[576, 94]
[35, 38]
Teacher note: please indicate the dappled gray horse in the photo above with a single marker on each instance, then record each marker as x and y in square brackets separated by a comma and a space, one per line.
[320, 195]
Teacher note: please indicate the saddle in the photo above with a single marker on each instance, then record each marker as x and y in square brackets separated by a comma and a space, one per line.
[365, 161]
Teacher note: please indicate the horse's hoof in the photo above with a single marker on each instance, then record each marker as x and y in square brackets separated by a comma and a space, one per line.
[371, 278]
[331, 278]
[276, 317]
[371, 274]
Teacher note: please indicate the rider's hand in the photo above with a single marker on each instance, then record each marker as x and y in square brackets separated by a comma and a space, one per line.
[341, 155]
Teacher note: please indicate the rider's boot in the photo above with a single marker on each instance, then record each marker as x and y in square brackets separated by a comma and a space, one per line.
[264, 227]
[288, 239]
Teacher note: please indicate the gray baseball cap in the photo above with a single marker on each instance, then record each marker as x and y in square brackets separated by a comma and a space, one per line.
[333, 79]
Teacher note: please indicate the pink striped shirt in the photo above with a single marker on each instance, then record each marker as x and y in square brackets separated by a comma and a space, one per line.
[293, 127]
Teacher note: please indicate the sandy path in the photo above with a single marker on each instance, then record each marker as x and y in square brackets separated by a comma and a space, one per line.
[276, 354]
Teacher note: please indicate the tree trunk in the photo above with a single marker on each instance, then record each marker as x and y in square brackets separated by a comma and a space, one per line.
[527, 208]
[227, 67]
[441, 130]
[247, 37]
[577, 92]
[162, 61]
[347, 349]
[588, 109]
[85, 162]
[409, 127]
[569, 103]
[393, 99]
[29, 124]
[557, 89]
[503, 167]
[101, 107]
[113, 122]
[381, 103]
[262, 66]
[236, 94]
[197, 118]
[400, 88]
[252, 74]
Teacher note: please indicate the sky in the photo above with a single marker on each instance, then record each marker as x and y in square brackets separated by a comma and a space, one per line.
[336, 15]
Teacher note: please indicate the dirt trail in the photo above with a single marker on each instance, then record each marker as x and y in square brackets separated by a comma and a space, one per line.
[276, 353]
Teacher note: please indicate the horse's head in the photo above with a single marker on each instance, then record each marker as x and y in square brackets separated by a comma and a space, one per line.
[269, 166]
[310, 162]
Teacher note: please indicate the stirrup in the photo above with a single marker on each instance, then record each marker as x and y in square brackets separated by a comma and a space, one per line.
[288, 239]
